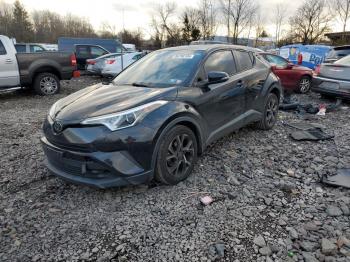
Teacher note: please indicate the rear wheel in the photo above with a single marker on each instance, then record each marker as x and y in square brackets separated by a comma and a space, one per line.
[304, 85]
[270, 113]
[46, 84]
[177, 155]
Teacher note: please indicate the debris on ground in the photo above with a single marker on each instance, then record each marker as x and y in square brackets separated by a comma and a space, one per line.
[206, 200]
[168, 223]
[342, 178]
[315, 134]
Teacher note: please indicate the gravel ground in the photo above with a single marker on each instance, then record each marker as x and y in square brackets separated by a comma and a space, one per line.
[269, 204]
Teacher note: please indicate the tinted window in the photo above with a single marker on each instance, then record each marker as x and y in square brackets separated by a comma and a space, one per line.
[244, 60]
[221, 61]
[2, 49]
[20, 48]
[339, 52]
[276, 60]
[162, 69]
[83, 50]
[36, 48]
[97, 51]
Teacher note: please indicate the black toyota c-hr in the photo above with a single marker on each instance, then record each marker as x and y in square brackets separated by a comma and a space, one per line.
[158, 115]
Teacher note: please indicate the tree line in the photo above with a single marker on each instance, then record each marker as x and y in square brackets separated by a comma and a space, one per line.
[171, 25]
[45, 26]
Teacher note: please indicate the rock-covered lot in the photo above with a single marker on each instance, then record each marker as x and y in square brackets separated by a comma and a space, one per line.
[269, 204]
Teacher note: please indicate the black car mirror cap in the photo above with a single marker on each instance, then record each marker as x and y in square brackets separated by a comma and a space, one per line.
[215, 77]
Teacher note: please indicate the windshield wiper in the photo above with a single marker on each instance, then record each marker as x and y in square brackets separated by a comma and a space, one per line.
[140, 85]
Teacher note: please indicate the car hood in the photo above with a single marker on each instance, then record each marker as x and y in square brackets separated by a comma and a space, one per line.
[102, 99]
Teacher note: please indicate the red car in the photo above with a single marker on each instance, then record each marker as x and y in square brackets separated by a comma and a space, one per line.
[293, 77]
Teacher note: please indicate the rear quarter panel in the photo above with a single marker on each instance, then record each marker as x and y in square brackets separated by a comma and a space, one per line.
[29, 64]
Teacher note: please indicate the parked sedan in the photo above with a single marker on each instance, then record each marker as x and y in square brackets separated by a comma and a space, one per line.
[113, 66]
[337, 53]
[158, 115]
[333, 79]
[293, 77]
[95, 66]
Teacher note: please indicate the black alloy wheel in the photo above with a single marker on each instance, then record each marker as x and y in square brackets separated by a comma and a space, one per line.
[177, 155]
[270, 113]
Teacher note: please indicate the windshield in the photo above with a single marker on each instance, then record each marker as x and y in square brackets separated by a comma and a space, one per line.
[344, 61]
[162, 69]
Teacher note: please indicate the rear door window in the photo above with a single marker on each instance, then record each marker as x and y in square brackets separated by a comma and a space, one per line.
[36, 48]
[2, 49]
[83, 51]
[20, 48]
[97, 51]
[243, 60]
[221, 61]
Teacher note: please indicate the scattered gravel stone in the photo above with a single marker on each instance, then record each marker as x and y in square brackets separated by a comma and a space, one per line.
[43, 218]
[308, 246]
[259, 241]
[309, 257]
[334, 211]
[265, 251]
[328, 247]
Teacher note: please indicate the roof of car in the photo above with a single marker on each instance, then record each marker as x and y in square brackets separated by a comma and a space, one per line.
[209, 48]
[341, 47]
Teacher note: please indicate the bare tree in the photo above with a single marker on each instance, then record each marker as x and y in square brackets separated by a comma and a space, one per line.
[208, 20]
[107, 30]
[311, 21]
[280, 16]
[226, 10]
[259, 23]
[342, 10]
[161, 23]
[190, 29]
[239, 15]
[5, 18]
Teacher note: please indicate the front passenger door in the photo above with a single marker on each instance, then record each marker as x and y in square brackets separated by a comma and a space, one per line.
[221, 104]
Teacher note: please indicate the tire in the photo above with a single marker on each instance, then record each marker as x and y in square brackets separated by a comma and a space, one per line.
[171, 167]
[304, 85]
[46, 84]
[270, 113]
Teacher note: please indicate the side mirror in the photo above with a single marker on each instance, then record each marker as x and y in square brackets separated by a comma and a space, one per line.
[290, 65]
[215, 77]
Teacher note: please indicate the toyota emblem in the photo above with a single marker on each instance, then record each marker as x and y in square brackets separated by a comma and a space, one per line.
[57, 127]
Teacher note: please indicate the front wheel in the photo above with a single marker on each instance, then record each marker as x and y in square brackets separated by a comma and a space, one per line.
[304, 85]
[270, 113]
[46, 84]
[177, 155]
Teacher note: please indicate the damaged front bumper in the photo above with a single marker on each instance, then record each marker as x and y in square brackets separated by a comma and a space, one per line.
[97, 169]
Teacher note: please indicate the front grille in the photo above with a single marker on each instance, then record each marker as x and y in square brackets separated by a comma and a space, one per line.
[76, 165]
[71, 147]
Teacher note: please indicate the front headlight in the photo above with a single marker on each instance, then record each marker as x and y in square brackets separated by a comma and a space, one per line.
[124, 119]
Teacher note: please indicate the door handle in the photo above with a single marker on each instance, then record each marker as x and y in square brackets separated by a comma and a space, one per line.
[8, 61]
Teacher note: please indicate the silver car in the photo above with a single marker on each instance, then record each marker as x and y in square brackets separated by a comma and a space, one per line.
[95, 65]
[333, 79]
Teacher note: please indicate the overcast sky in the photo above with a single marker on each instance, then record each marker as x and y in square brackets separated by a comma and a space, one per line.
[136, 12]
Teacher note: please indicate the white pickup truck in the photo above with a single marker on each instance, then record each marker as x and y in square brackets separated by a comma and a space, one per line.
[39, 71]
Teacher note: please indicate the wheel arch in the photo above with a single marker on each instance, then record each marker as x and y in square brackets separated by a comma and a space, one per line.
[185, 119]
[46, 69]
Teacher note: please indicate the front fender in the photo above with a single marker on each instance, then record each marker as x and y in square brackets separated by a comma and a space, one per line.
[171, 114]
